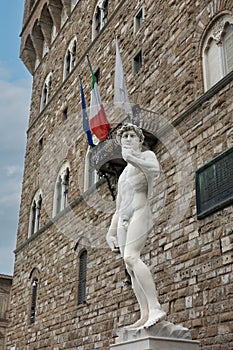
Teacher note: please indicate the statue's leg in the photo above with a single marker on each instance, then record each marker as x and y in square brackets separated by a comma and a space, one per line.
[144, 312]
[143, 283]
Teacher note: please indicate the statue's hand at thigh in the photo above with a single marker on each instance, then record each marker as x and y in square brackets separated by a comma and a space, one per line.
[111, 236]
[112, 242]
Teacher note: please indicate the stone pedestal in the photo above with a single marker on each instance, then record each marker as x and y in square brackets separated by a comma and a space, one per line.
[162, 336]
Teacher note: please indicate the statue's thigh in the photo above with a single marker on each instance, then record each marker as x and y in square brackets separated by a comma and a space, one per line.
[136, 235]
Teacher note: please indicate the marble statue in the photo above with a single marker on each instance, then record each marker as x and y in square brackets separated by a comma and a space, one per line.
[132, 221]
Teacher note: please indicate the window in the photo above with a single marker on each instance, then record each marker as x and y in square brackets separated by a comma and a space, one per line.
[137, 62]
[34, 281]
[97, 75]
[90, 174]
[61, 193]
[217, 51]
[33, 301]
[138, 19]
[82, 277]
[100, 17]
[65, 114]
[46, 91]
[35, 213]
[2, 306]
[41, 143]
[70, 58]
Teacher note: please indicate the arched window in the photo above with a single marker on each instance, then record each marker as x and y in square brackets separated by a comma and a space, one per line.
[35, 213]
[70, 58]
[61, 193]
[217, 51]
[46, 91]
[82, 277]
[100, 17]
[90, 174]
[34, 280]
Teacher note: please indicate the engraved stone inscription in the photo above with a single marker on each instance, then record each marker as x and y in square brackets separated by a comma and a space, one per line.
[214, 184]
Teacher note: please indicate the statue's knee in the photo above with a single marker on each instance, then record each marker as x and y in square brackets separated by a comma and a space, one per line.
[130, 261]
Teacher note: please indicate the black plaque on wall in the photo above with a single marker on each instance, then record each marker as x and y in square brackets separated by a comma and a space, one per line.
[214, 184]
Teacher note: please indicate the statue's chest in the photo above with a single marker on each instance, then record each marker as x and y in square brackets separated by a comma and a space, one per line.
[129, 175]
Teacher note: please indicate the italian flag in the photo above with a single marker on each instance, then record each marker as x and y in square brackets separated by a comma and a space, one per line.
[99, 124]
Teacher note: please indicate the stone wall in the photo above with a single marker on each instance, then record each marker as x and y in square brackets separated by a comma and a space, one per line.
[5, 290]
[191, 259]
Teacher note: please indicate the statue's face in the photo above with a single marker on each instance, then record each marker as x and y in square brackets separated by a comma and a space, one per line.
[129, 139]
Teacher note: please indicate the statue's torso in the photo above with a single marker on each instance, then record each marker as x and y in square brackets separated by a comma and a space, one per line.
[132, 188]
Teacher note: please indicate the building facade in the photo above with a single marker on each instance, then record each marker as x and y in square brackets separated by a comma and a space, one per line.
[68, 288]
[5, 290]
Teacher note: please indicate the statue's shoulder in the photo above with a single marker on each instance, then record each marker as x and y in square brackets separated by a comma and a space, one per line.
[149, 155]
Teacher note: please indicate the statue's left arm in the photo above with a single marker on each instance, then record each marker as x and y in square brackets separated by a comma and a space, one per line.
[147, 161]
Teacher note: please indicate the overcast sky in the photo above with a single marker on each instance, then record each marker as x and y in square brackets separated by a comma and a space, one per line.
[15, 94]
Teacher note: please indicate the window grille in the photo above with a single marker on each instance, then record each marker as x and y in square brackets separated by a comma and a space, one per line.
[82, 278]
[34, 300]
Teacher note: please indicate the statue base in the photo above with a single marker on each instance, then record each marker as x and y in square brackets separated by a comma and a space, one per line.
[161, 336]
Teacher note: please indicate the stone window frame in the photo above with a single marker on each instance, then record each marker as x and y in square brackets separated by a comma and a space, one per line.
[35, 213]
[82, 250]
[100, 17]
[34, 279]
[215, 38]
[91, 176]
[70, 58]
[46, 91]
[138, 20]
[61, 190]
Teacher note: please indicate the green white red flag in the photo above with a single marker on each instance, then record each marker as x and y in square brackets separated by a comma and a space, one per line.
[99, 124]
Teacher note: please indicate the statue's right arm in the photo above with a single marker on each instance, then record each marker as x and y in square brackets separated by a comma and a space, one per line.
[111, 236]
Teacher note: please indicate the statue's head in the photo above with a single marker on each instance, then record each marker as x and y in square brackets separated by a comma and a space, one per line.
[129, 127]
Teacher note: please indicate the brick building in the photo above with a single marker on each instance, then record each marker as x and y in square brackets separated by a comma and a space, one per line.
[5, 289]
[68, 290]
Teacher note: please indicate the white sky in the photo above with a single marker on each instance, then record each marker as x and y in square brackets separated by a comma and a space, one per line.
[15, 92]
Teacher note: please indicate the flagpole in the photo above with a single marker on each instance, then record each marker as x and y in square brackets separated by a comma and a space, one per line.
[89, 63]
